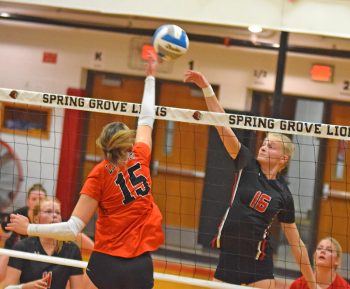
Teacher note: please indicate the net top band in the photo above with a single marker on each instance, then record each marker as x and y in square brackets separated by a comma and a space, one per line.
[293, 127]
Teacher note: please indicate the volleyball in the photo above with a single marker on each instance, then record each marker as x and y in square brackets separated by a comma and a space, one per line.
[170, 42]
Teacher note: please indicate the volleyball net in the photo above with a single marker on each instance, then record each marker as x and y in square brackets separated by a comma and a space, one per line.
[50, 138]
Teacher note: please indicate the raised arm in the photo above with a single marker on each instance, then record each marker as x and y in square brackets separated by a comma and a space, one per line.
[226, 134]
[300, 253]
[146, 118]
[83, 212]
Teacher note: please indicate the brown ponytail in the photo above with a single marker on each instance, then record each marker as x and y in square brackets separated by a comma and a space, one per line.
[36, 187]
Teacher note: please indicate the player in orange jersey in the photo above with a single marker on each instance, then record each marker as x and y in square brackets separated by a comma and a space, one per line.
[129, 222]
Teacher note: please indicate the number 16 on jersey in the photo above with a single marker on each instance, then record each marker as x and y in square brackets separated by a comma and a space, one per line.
[260, 202]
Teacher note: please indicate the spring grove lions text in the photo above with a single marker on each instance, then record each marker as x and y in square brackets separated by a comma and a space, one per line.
[234, 120]
[100, 104]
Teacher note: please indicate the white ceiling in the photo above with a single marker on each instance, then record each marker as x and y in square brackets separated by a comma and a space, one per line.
[94, 18]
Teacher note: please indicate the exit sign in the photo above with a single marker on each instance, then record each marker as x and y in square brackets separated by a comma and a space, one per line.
[322, 72]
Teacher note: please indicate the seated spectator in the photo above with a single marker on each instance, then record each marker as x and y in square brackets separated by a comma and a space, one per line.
[327, 260]
[35, 193]
[34, 274]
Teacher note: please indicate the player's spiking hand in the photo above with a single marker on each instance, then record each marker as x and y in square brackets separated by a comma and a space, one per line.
[151, 64]
[197, 78]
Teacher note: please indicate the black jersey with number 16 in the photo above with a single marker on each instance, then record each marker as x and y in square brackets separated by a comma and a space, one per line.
[255, 202]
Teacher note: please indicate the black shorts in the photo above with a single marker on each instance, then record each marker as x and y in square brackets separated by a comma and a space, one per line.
[237, 269]
[110, 272]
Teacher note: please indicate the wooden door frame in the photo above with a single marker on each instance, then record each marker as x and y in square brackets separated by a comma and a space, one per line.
[327, 119]
[318, 189]
[91, 74]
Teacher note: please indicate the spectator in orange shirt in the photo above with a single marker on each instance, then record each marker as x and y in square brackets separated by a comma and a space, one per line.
[327, 259]
[128, 227]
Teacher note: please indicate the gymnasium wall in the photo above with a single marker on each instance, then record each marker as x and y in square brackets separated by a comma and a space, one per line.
[236, 70]
[326, 17]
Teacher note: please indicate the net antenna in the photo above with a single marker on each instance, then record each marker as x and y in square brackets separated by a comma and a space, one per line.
[11, 175]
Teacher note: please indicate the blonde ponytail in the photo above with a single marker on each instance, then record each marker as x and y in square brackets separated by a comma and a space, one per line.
[116, 140]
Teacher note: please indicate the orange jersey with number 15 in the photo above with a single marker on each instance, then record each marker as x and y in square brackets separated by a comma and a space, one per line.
[129, 222]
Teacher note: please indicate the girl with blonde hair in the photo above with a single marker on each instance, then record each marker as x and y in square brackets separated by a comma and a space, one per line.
[128, 226]
[28, 274]
[259, 195]
[327, 259]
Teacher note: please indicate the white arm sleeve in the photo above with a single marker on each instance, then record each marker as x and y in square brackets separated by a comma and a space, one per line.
[64, 231]
[19, 286]
[148, 102]
[208, 91]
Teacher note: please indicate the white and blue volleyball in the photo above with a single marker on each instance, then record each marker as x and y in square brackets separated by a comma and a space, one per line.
[170, 42]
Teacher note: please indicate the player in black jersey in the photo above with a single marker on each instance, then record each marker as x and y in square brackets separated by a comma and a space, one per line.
[259, 196]
[36, 274]
[35, 193]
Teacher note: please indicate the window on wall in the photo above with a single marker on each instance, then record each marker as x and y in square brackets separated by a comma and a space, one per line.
[25, 120]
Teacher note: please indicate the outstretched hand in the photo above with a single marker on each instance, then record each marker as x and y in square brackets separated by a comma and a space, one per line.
[151, 64]
[18, 224]
[197, 78]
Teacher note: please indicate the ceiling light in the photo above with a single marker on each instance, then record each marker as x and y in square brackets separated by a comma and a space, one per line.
[5, 14]
[255, 28]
